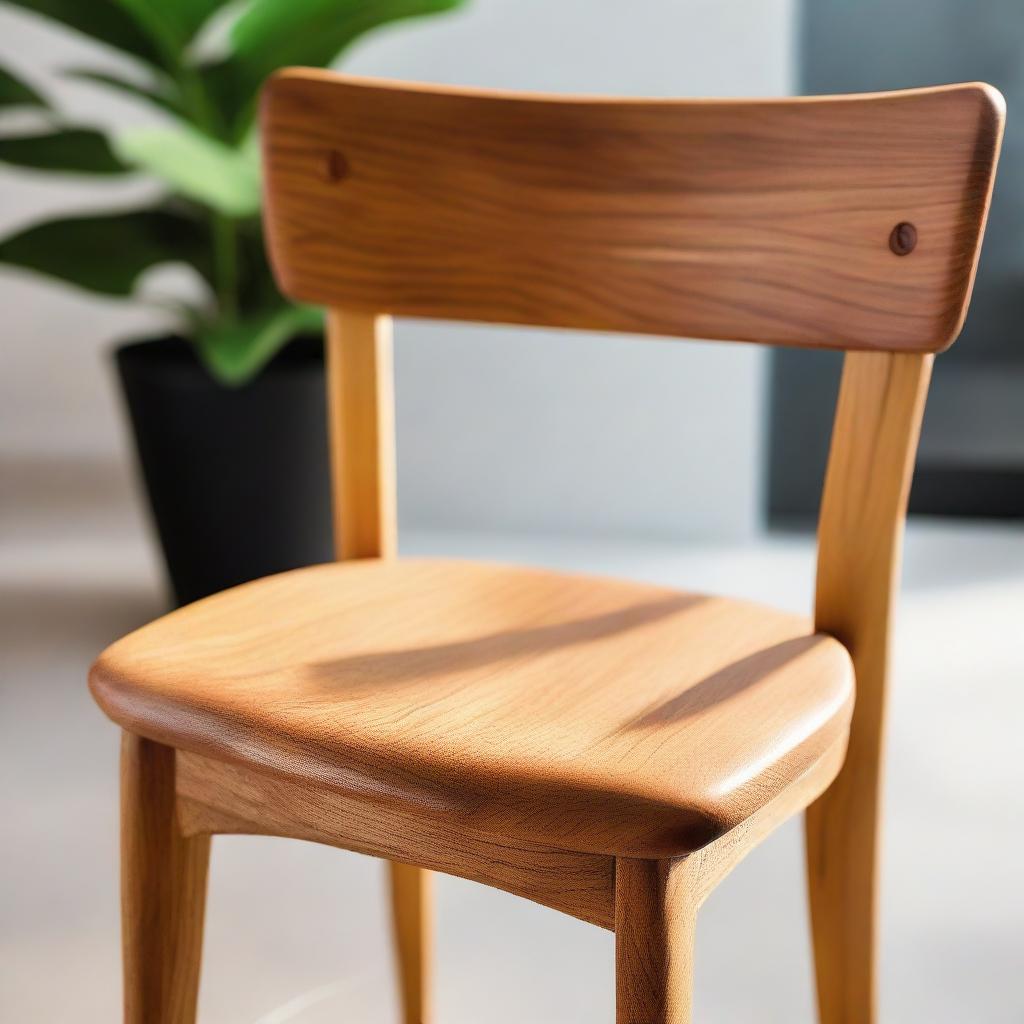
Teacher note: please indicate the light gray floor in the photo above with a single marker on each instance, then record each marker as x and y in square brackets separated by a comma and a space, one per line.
[297, 932]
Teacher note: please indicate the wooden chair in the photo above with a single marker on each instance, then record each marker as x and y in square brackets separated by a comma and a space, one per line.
[609, 749]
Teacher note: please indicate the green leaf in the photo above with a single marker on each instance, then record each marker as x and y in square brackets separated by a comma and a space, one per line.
[196, 166]
[72, 151]
[272, 34]
[170, 23]
[158, 96]
[106, 253]
[102, 20]
[15, 93]
[235, 353]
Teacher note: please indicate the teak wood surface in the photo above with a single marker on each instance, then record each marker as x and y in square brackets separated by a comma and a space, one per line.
[607, 749]
[588, 714]
[760, 221]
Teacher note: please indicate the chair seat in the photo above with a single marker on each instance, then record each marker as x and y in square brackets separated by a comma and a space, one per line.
[588, 714]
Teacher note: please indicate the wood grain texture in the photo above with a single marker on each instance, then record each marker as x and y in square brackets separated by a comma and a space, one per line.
[655, 924]
[591, 714]
[764, 220]
[875, 437]
[163, 890]
[656, 903]
[360, 402]
[216, 797]
[716, 860]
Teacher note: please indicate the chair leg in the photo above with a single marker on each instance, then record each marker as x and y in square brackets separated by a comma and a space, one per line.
[656, 906]
[163, 891]
[842, 857]
[412, 907]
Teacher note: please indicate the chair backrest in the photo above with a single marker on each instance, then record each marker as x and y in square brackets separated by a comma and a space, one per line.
[849, 222]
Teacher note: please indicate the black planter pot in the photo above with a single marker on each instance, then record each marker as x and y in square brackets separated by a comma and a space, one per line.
[237, 479]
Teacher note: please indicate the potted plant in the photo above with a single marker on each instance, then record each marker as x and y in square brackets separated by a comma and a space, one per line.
[228, 413]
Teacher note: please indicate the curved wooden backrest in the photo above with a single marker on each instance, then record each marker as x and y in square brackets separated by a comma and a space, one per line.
[849, 222]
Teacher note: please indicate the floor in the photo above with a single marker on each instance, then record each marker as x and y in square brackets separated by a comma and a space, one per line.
[297, 933]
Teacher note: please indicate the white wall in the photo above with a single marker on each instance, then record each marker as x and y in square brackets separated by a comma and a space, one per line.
[498, 427]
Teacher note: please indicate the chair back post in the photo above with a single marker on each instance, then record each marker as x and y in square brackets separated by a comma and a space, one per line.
[863, 509]
[860, 534]
[360, 409]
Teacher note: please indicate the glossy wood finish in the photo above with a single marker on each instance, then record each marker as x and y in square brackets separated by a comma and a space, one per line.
[589, 714]
[220, 798]
[878, 420]
[163, 890]
[762, 221]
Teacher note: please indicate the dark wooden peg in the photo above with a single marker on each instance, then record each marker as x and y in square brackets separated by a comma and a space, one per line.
[903, 238]
[337, 165]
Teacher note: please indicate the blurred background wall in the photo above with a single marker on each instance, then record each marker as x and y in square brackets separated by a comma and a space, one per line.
[498, 428]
